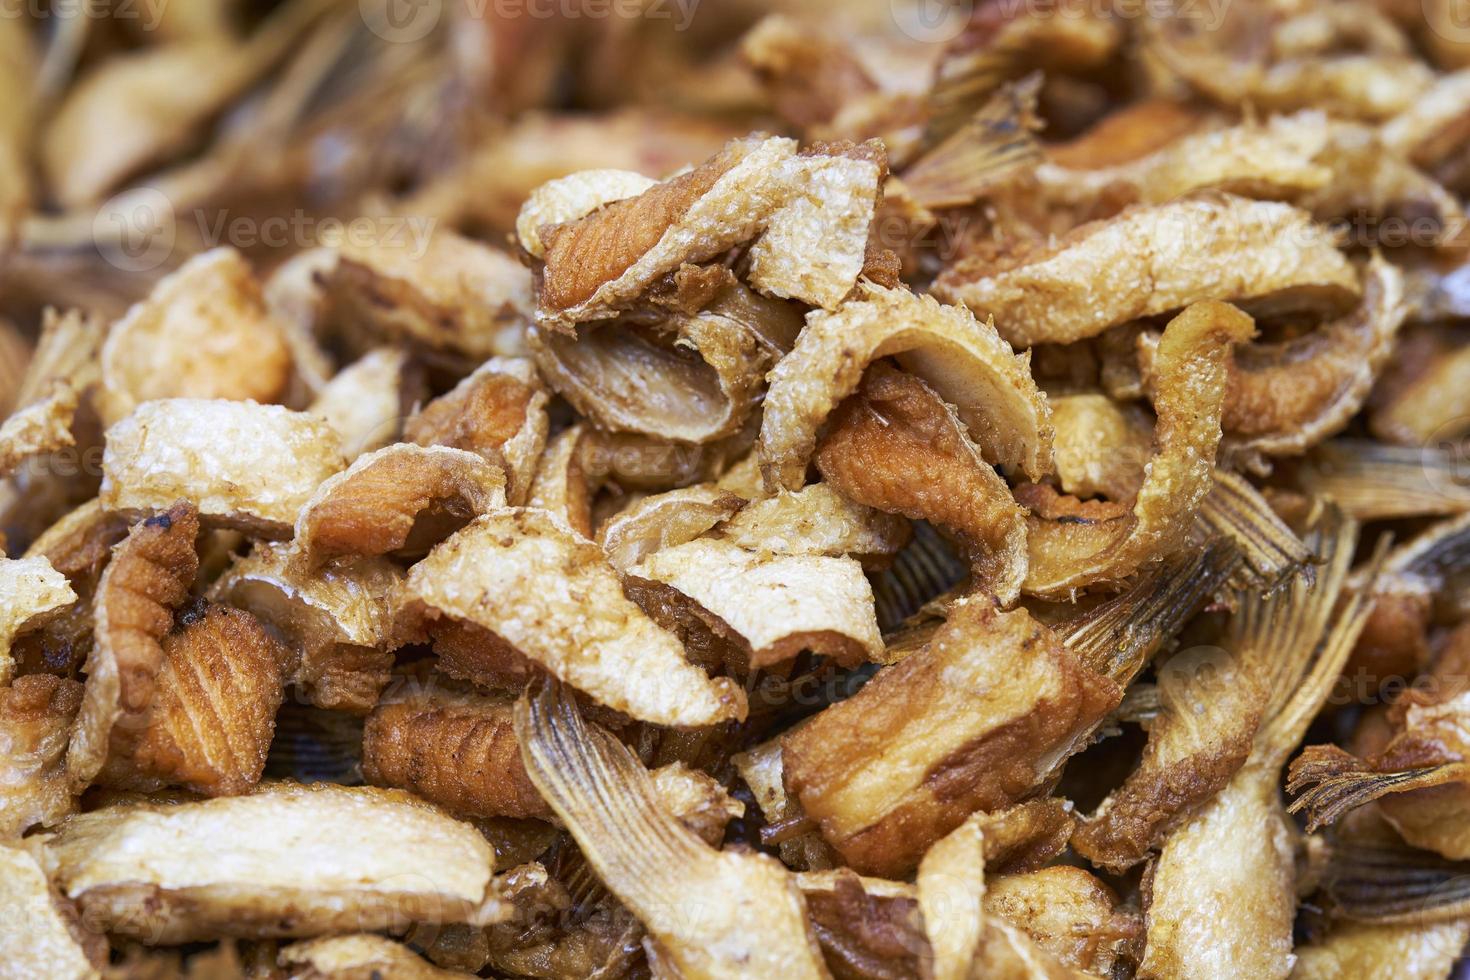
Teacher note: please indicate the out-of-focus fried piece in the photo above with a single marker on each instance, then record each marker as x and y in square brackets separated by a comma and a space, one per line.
[554, 597]
[1357, 949]
[775, 605]
[897, 446]
[61, 373]
[970, 722]
[1421, 397]
[244, 465]
[41, 935]
[665, 520]
[1070, 549]
[35, 593]
[287, 860]
[360, 956]
[1151, 260]
[203, 332]
[401, 498]
[213, 710]
[147, 580]
[748, 915]
[964, 361]
[817, 520]
[449, 295]
[1070, 914]
[367, 401]
[1210, 709]
[43, 426]
[808, 75]
[498, 412]
[342, 620]
[36, 714]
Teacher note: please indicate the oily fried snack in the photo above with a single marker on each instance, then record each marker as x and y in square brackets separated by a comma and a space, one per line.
[1102, 445]
[40, 427]
[366, 401]
[498, 412]
[147, 580]
[1356, 949]
[287, 860]
[243, 465]
[816, 520]
[962, 725]
[571, 197]
[210, 720]
[449, 295]
[1155, 259]
[963, 360]
[1071, 550]
[774, 605]
[400, 498]
[361, 955]
[553, 596]
[41, 935]
[36, 714]
[342, 620]
[203, 332]
[897, 446]
[562, 485]
[709, 913]
[665, 520]
[34, 593]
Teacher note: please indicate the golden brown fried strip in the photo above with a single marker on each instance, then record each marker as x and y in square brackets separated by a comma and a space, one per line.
[1068, 913]
[498, 412]
[213, 710]
[964, 361]
[1102, 445]
[149, 577]
[1093, 546]
[897, 446]
[36, 714]
[562, 485]
[402, 497]
[1151, 260]
[965, 724]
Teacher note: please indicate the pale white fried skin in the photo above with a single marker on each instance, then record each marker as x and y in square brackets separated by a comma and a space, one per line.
[816, 520]
[963, 360]
[365, 401]
[455, 295]
[398, 493]
[342, 620]
[40, 934]
[1361, 949]
[1156, 259]
[777, 604]
[244, 465]
[148, 578]
[709, 913]
[970, 722]
[287, 860]
[498, 412]
[204, 331]
[665, 520]
[43, 426]
[553, 596]
[951, 893]
[562, 485]
[36, 713]
[361, 955]
[34, 592]
[1070, 914]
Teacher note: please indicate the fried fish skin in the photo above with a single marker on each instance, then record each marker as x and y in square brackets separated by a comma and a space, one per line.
[287, 860]
[971, 722]
[40, 935]
[36, 713]
[34, 592]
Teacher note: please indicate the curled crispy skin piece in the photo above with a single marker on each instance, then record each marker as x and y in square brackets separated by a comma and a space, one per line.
[751, 919]
[970, 722]
[571, 197]
[1073, 552]
[36, 714]
[243, 465]
[951, 893]
[358, 955]
[562, 485]
[43, 426]
[203, 332]
[149, 577]
[41, 935]
[213, 710]
[1151, 260]
[34, 593]
[553, 596]
[287, 860]
[1068, 913]
[778, 605]
[341, 619]
[816, 520]
[665, 520]
[499, 412]
[963, 360]
[448, 295]
[897, 446]
[364, 401]
[376, 505]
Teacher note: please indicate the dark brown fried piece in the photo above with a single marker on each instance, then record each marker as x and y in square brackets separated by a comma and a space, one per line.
[36, 714]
